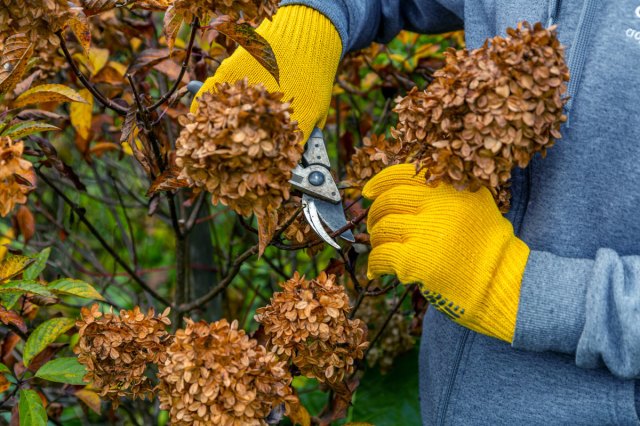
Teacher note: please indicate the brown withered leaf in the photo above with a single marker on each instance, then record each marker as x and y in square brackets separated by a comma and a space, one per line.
[246, 36]
[168, 181]
[94, 7]
[26, 223]
[129, 126]
[4, 383]
[79, 24]
[54, 161]
[10, 317]
[159, 5]
[340, 403]
[13, 60]
[172, 23]
[147, 59]
[266, 229]
[45, 356]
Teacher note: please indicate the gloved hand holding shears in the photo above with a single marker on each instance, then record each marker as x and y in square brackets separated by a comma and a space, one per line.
[307, 48]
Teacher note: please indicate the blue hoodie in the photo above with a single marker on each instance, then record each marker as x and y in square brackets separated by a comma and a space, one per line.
[576, 352]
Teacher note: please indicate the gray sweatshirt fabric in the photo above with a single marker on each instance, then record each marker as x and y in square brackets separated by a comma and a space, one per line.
[575, 358]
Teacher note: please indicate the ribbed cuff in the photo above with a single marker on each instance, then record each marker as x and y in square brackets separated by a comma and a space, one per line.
[335, 14]
[504, 292]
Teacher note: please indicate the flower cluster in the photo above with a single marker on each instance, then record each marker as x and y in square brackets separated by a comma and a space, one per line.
[395, 340]
[241, 146]
[215, 374]
[38, 19]
[17, 177]
[376, 153]
[309, 323]
[117, 350]
[488, 110]
[207, 9]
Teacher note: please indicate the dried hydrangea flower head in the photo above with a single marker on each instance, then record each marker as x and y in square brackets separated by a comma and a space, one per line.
[376, 153]
[38, 19]
[216, 375]
[235, 9]
[395, 340]
[309, 323]
[488, 110]
[117, 349]
[240, 146]
[17, 177]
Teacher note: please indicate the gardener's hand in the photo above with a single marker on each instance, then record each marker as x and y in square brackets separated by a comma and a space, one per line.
[456, 245]
[307, 47]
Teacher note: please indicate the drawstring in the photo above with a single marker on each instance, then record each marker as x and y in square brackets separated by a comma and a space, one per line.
[578, 49]
[554, 7]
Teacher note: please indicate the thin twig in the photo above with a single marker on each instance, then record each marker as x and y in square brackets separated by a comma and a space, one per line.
[119, 109]
[388, 319]
[81, 215]
[194, 29]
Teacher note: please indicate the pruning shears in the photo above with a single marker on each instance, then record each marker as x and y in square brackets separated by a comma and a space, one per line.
[321, 200]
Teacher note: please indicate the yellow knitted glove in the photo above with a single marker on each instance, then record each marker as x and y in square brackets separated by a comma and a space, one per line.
[456, 245]
[307, 47]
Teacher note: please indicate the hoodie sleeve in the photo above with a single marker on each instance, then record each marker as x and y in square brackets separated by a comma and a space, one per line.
[360, 22]
[586, 307]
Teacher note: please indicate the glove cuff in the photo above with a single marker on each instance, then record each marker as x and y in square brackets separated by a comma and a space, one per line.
[502, 296]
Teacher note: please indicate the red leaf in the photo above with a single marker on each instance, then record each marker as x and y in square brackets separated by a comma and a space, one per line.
[10, 317]
[26, 223]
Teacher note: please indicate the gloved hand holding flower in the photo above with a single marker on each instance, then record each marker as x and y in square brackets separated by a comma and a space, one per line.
[455, 244]
[307, 48]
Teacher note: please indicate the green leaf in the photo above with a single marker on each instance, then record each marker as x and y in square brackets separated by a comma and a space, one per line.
[63, 370]
[4, 369]
[25, 286]
[71, 287]
[26, 128]
[45, 334]
[390, 399]
[32, 412]
[8, 300]
[32, 272]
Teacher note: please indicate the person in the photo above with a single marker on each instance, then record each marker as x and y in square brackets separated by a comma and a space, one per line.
[539, 310]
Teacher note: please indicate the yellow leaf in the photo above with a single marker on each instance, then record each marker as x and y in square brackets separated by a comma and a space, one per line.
[48, 93]
[5, 240]
[90, 398]
[79, 24]
[298, 414]
[12, 266]
[126, 148]
[98, 59]
[81, 115]
[426, 50]
[135, 43]
[118, 67]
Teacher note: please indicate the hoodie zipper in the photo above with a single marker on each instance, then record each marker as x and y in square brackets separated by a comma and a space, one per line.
[578, 53]
[575, 62]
